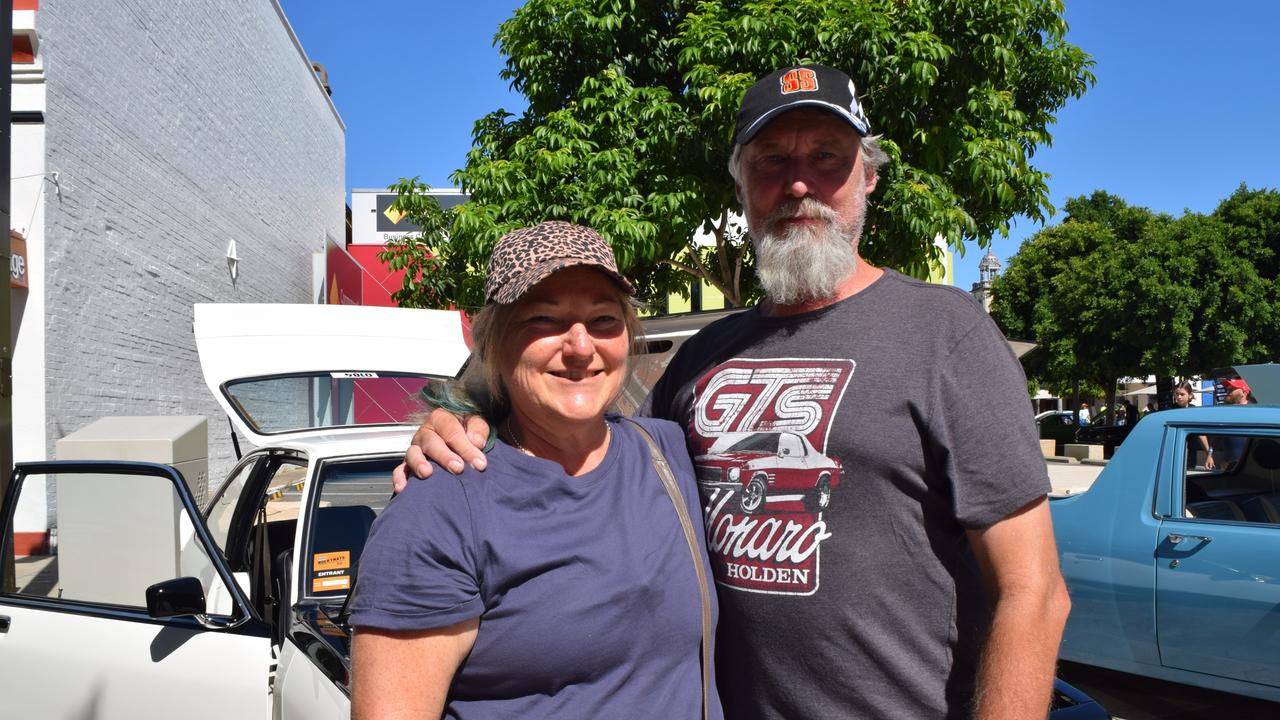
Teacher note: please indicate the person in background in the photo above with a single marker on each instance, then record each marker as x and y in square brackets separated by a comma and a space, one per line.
[917, 579]
[1227, 450]
[1183, 392]
[1238, 392]
[559, 583]
[1083, 414]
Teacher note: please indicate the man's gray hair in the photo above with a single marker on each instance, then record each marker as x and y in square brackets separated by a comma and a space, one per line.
[873, 157]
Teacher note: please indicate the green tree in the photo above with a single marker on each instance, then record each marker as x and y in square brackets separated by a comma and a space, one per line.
[1126, 221]
[1064, 289]
[433, 276]
[1118, 291]
[631, 107]
[1253, 221]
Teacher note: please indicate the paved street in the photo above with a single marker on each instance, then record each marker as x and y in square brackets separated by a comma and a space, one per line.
[37, 575]
[1073, 478]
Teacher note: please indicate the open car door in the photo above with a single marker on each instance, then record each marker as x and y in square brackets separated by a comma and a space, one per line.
[132, 613]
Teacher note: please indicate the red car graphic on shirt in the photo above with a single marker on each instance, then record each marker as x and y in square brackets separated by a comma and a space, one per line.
[769, 468]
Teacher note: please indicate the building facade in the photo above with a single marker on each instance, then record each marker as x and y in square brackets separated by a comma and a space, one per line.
[165, 152]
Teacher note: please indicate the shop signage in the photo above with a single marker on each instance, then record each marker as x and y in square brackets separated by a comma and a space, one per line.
[17, 260]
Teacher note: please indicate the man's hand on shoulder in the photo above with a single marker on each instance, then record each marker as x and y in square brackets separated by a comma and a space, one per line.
[443, 438]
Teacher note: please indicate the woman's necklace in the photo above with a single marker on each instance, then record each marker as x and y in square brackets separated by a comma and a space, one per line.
[515, 441]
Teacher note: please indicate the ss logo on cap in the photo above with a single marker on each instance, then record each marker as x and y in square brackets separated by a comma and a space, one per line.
[799, 80]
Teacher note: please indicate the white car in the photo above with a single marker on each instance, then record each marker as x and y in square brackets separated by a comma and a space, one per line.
[154, 607]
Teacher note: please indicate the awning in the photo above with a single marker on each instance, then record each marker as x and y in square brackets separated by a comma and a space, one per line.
[1148, 390]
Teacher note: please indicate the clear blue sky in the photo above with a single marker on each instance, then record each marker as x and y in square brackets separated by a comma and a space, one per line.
[1187, 104]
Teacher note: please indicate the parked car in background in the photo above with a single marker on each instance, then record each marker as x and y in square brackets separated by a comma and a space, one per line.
[663, 336]
[1057, 425]
[1172, 565]
[152, 606]
[1106, 429]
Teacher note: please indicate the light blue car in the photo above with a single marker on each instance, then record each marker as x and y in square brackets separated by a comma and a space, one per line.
[1172, 557]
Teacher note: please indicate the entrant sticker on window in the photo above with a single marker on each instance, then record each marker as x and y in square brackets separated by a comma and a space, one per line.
[331, 582]
[352, 375]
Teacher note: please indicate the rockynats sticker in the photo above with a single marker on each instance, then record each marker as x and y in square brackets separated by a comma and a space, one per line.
[331, 560]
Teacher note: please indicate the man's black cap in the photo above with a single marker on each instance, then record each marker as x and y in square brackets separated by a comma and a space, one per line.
[795, 87]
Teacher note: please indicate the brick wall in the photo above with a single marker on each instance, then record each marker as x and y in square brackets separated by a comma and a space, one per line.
[176, 126]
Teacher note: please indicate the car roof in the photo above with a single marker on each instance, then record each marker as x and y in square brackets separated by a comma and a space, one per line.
[1252, 414]
[682, 324]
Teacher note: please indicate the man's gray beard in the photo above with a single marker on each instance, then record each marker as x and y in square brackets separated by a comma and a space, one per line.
[801, 263]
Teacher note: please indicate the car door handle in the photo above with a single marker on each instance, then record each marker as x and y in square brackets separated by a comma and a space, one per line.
[4, 623]
[1177, 538]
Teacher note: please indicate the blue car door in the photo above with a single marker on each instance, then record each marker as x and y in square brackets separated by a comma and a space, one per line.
[1218, 557]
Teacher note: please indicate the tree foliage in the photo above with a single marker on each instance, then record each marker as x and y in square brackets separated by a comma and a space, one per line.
[1119, 291]
[434, 277]
[631, 107]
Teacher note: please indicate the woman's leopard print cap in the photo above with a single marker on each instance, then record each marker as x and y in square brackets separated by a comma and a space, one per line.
[525, 257]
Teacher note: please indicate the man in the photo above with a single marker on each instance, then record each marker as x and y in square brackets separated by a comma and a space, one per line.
[880, 552]
[1237, 391]
[1226, 451]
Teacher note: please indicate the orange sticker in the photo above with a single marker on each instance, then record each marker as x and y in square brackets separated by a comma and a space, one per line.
[335, 582]
[331, 560]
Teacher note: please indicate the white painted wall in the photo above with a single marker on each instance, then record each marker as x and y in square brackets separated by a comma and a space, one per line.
[28, 187]
[27, 310]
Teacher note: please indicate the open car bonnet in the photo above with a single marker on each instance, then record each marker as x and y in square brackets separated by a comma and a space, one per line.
[1264, 381]
[295, 370]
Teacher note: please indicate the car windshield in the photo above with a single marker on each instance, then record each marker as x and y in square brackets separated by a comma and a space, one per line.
[306, 401]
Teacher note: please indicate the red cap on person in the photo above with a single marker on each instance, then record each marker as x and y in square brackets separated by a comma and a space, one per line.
[1236, 384]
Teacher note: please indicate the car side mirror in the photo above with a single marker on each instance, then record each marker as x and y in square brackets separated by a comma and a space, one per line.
[178, 597]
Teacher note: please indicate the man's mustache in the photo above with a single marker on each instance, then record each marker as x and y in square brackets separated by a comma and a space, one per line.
[806, 207]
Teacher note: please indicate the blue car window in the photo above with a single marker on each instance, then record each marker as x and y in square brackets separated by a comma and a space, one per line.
[1232, 477]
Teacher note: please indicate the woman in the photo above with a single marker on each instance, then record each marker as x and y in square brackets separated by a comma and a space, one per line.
[558, 583]
[1182, 394]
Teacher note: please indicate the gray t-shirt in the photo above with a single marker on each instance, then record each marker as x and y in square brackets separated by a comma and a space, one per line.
[584, 586]
[841, 455]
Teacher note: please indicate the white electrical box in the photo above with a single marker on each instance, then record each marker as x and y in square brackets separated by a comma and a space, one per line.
[144, 514]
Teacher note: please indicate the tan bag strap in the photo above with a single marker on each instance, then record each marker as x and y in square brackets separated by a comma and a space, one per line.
[690, 536]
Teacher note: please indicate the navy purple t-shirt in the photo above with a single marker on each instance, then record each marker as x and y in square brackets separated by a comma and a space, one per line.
[585, 591]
